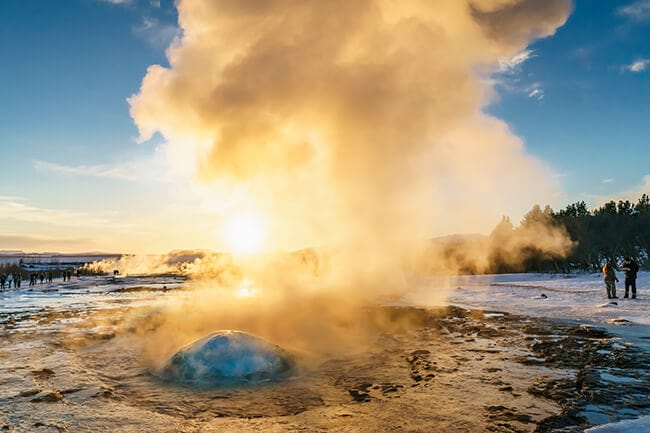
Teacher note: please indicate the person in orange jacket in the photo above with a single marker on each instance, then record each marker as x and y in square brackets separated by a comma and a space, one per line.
[609, 275]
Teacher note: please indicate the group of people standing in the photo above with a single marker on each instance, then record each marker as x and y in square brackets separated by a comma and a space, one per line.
[6, 280]
[34, 278]
[630, 268]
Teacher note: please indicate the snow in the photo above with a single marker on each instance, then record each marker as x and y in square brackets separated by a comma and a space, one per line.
[574, 297]
[84, 293]
[640, 425]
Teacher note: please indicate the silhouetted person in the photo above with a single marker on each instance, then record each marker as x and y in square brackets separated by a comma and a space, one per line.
[49, 277]
[631, 269]
[78, 272]
[3, 280]
[610, 280]
[41, 277]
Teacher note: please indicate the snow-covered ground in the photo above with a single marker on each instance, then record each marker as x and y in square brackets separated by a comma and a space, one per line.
[88, 293]
[579, 297]
[641, 425]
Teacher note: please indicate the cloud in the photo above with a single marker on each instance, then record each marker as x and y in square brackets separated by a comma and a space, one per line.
[136, 170]
[609, 180]
[535, 91]
[508, 78]
[638, 11]
[157, 34]
[117, 2]
[515, 63]
[632, 194]
[28, 243]
[640, 65]
[18, 209]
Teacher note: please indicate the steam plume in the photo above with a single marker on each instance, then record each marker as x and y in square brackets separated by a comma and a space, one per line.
[349, 122]
[341, 120]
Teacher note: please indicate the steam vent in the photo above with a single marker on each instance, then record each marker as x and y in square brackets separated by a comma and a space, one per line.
[228, 358]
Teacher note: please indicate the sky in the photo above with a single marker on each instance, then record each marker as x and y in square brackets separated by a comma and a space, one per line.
[75, 177]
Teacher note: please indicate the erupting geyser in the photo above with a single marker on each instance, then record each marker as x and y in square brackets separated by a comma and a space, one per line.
[228, 358]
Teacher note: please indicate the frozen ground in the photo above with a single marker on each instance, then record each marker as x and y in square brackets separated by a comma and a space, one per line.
[70, 362]
[574, 297]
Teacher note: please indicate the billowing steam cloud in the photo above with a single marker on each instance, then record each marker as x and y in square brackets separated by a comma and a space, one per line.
[349, 122]
[339, 120]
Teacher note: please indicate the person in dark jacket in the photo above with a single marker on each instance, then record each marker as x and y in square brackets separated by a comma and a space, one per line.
[630, 268]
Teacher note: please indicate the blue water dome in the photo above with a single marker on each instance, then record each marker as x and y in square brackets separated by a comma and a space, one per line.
[228, 358]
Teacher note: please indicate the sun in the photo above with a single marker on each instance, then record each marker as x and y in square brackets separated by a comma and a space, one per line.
[245, 234]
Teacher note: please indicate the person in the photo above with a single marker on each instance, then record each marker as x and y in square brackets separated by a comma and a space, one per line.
[610, 280]
[630, 268]
[3, 279]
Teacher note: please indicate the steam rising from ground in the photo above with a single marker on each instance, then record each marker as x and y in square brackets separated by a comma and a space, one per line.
[353, 123]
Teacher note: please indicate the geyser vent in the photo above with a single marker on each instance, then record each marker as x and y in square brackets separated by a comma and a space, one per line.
[228, 358]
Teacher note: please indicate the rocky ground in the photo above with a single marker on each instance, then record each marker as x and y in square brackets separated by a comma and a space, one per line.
[447, 369]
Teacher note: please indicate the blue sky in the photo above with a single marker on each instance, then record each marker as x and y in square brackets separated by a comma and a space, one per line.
[68, 151]
[592, 123]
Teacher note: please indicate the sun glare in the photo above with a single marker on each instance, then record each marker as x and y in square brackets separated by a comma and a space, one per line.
[245, 234]
[246, 289]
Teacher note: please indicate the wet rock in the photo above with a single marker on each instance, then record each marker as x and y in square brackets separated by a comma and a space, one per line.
[569, 421]
[29, 392]
[386, 388]
[70, 390]
[359, 395]
[589, 332]
[43, 373]
[57, 427]
[502, 413]
[47, 397]
[587, 380]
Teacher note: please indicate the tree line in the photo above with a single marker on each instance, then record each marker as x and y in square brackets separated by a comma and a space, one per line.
[610, 232]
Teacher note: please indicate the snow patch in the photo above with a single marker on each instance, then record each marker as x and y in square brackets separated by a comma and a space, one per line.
[639, 425]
